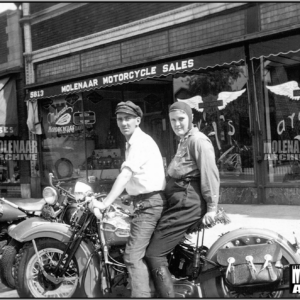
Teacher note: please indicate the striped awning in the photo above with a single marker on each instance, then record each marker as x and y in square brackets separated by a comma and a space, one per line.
[275, 46]
[204, 61]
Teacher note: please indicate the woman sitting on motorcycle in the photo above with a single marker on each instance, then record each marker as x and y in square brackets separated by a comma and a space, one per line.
[192, 192]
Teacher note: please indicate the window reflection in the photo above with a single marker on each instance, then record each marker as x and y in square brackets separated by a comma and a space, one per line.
[219, 99]
[282, 109]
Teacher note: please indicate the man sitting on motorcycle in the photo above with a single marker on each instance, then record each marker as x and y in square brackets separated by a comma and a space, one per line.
[142, 175]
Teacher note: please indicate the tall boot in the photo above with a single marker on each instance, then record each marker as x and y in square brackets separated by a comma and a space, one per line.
[163, 282]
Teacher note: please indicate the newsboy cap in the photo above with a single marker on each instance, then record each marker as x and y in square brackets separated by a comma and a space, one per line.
[130, 108]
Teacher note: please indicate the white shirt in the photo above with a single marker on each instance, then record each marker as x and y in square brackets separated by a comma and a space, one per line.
[143, 158]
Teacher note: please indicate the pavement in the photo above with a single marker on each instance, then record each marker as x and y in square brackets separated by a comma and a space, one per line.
[282, 219]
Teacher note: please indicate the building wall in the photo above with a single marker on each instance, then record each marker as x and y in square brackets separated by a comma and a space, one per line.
[92, 18]
[10, 40]
[276, 15]
[96, 46]
[39, 6]
[4, 39]
[170, 42]
[201, 33]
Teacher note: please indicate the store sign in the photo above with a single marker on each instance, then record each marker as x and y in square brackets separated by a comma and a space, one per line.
[61, 121]
[118, 78]
[211, 104]
[282, 150]
[18, 150]
[7, 129]
[89, 117]
[296, 93]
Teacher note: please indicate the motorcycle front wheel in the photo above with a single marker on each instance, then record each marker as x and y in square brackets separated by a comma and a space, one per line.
[31, 282]
[216, 287]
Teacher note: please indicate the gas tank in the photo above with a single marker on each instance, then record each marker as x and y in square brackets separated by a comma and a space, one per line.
[116, 226]
[70, 210]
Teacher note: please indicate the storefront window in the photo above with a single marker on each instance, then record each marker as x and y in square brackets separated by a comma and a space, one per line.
[282, 114]
[219, 99]
[81, 138]
[63, 140]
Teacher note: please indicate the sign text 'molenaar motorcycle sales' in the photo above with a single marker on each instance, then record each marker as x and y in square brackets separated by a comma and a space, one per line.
[122, 77]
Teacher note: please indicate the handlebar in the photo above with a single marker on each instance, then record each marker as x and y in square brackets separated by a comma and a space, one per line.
[65, 192]
[98, 196]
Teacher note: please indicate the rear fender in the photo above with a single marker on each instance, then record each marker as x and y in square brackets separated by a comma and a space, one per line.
[37, 228]
[213, 288]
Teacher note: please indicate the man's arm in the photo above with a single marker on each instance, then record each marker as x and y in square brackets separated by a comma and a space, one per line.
[116, 190]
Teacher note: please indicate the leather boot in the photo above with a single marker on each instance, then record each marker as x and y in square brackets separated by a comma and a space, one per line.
[163, 282]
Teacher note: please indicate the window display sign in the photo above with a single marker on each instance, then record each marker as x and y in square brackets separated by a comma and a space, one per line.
[89, 117]
[18, 150]
[282, 150]
[61, 121]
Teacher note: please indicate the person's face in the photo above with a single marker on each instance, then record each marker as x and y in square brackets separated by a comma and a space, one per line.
[127, 124]
[179, 122]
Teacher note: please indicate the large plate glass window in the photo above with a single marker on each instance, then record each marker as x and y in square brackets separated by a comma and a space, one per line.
[63, 140]
[281, 76]
[219, 98]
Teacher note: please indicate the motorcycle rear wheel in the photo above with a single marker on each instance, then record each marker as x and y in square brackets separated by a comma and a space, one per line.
[31, 283]
[216, 287]
[7, 263]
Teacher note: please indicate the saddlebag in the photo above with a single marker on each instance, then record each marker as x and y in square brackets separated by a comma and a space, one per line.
[251, 267]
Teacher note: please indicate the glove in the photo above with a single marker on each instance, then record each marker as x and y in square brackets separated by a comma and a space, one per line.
[220, 217]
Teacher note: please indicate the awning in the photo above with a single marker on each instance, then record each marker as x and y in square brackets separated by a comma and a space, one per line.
[274, 47]
[8, 107]
[204, 61]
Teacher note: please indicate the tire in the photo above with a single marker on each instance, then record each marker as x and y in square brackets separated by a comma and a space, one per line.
[7, 263]
[31, 283]
[216, 288]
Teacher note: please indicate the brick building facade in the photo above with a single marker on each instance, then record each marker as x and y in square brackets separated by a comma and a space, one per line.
[154, 53]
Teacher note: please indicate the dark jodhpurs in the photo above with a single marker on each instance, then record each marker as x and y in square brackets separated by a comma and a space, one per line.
[185, 206]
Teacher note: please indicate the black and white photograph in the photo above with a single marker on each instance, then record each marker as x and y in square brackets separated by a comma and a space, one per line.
[150, 149]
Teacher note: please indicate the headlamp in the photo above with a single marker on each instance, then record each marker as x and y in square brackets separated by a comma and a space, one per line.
[50, 195]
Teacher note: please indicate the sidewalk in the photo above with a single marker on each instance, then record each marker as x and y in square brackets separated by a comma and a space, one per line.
[283, 219]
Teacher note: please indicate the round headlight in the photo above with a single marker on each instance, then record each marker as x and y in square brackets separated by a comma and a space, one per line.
[81, 189]
[50, 195]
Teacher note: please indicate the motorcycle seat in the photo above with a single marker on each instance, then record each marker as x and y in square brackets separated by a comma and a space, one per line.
[29, 204]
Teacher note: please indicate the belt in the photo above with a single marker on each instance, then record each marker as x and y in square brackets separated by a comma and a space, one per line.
[144, 196]
[187, 179]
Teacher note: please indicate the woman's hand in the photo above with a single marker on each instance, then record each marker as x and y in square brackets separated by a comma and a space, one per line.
[96, 204]
[97, 213]
[209, 218]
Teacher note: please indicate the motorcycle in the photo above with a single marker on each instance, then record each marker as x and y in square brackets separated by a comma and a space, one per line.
[85, 259]
[57, 205]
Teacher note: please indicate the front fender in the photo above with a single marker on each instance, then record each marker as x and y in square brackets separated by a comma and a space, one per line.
[35, 228]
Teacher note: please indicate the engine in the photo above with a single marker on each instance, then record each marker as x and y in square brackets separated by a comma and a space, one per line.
[116, 226]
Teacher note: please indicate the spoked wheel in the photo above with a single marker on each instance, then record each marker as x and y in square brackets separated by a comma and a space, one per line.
[216, 287]
[29, 278]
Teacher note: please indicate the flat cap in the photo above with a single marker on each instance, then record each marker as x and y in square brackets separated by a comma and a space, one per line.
[130, 108]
